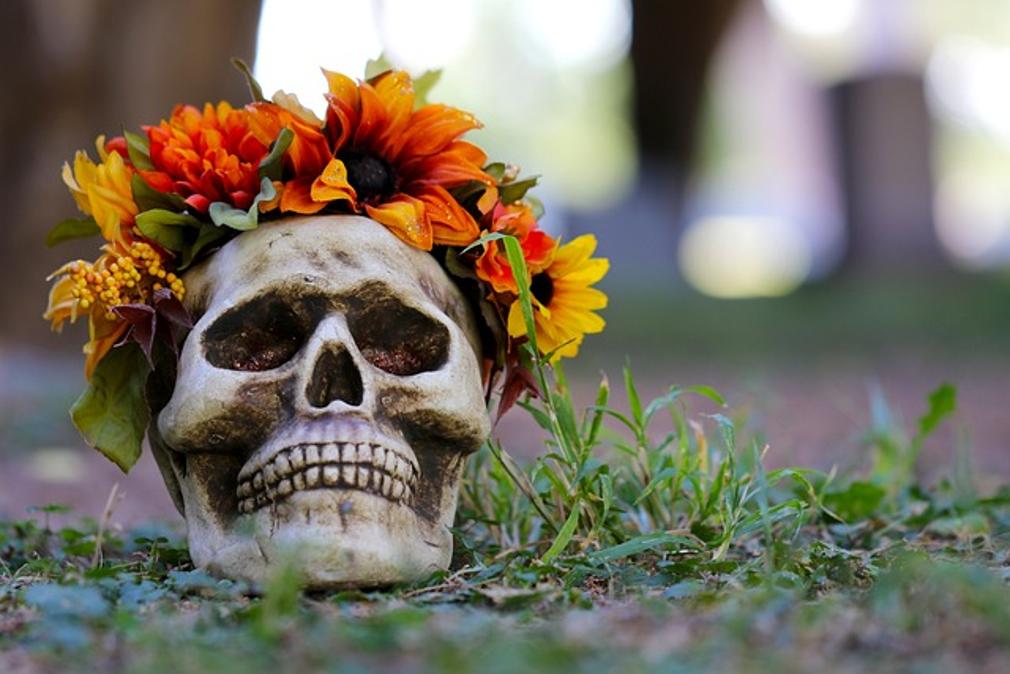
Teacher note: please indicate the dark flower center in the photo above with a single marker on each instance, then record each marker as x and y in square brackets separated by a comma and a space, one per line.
[370, 176]
[542, 287]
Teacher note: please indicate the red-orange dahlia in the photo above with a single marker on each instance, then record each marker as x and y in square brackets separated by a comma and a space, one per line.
[206, 156]
[538, 248]
[393, 162]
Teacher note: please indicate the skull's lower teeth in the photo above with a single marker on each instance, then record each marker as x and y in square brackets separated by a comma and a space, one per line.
[366, 467]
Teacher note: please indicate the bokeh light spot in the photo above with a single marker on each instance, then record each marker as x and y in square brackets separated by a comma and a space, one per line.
[738, 256]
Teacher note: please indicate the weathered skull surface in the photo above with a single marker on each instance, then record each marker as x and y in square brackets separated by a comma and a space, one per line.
[324, 404]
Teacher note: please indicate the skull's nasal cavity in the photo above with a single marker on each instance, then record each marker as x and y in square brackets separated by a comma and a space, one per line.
[334, 377]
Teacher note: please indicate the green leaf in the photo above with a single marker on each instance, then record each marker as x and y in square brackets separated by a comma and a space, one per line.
[516, 260]
[225, 215]
[942, 403]
[657, 479]
[536, 206]
[457, 268]
[112, 413]
[255, 90]
[423, 84]
[596, 419]
[496, 170]
[513, 192]
[167, 228]
[139, 149]
[640, 544]
[72, 228]
[377, 66]
[564, 536]
[486, 238]
[209, 234]
[675, 393]
[271, 165]
[857, 502]
[634, 402]
[728, 431]
[147, 198]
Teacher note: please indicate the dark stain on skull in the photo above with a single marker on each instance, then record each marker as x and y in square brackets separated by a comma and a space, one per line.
[345, 258]
[321, 259]
[245, 423]
[441, 471]
[439, 427]
[219, 473]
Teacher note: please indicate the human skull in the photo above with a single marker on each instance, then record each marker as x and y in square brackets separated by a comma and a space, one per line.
[324, 405]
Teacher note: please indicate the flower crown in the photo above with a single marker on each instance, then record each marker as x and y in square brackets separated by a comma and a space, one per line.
[168, 197]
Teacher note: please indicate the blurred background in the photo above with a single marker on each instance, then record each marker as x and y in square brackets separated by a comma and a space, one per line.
[806, 204]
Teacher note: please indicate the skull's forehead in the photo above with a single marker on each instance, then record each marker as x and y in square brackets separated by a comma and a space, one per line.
[334, 254]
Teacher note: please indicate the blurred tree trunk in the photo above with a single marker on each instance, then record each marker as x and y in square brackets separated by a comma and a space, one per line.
[884, 140]
[672, 46]
[73, 69]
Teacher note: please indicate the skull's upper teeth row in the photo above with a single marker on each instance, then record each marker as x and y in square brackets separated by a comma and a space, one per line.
[365, 466]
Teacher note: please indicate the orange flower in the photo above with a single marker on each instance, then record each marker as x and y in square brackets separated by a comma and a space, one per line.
[393, 162]
[538, 248]
[207, 156]
[309, 151]
[125, 273]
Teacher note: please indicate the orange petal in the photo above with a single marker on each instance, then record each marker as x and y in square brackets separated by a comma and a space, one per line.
[342, 113]
[493, 268]
[405, 217]
[488, 199]
[396, 91]
[271, 204]
[469, 151]
[297, 197]
[309, 150]
[448, 169]
[104, 335]
[332, 185]
[435, 127]
[373, 118]
[342, 88]
[451, 225]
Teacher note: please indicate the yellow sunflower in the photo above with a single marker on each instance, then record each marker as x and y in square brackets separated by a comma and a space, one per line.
[564, 301]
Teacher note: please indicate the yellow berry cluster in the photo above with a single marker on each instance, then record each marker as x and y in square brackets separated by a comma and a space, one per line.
[122, 278]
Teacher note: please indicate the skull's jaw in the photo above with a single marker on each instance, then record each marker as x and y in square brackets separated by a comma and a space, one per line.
[332, 537]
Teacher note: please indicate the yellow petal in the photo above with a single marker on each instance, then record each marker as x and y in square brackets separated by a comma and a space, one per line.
[580, 297]
[573, 254]
[588, 272]
[516, 324]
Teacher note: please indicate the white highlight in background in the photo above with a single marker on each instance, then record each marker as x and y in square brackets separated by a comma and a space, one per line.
[594, 33]
[972, 213]
[968, 81]
[743, 256]
[425, 35]
[815, 18]
[298, 37]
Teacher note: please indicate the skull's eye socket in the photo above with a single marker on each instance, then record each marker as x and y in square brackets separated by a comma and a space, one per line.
[261, 334]
[394, 337]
